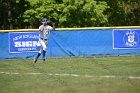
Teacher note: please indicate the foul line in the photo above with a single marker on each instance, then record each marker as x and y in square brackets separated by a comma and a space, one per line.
[73, 75]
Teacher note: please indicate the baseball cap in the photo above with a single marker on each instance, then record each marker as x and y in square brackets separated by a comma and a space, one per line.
[44, 19]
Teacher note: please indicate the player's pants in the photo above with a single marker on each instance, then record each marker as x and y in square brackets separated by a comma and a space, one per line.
[43, 48]
[44, 44]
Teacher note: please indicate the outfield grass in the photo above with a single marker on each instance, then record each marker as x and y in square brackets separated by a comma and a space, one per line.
[71, 75]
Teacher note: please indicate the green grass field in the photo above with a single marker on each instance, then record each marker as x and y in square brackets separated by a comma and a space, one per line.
[71, 75]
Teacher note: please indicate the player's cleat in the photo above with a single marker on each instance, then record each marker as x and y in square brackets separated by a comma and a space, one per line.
[35, 60]
[44, 61]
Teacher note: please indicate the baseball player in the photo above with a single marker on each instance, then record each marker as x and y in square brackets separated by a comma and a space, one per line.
[44, 30]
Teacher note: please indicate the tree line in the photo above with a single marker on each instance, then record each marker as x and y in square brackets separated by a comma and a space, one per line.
[69, 13]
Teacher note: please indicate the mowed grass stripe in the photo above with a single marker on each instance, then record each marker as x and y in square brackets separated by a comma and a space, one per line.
[72, 75]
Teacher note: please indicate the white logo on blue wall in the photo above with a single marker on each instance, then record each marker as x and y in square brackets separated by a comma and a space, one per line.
[26, 44]
[131, 39]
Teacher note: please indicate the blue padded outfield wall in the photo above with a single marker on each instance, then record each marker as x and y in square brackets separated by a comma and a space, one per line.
[62, 43]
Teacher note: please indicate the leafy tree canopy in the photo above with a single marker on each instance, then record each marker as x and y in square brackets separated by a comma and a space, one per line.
[70, 13]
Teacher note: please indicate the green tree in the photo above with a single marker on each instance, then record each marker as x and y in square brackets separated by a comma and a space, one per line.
[70, 13]
[81, 13]
[123, 12]
[37, 10]
[4, 7]
[132, 10]
[11, 13]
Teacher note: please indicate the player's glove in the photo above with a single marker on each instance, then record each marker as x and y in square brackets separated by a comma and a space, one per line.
[53, 20]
